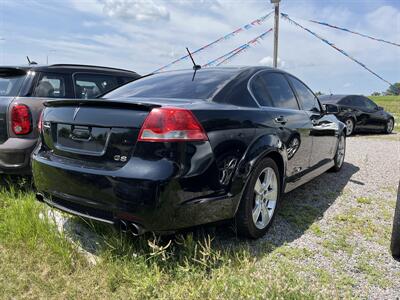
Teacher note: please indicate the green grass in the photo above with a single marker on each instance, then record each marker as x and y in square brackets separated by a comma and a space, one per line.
[392, 105]
[36, 261]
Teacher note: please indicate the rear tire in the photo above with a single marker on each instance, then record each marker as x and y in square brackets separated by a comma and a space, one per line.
[340, 154]
[260, 200]
[395, 245]
[350, 125]
[389, 126]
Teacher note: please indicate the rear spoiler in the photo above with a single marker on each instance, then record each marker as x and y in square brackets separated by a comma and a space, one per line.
[7, 72]
[101, 103]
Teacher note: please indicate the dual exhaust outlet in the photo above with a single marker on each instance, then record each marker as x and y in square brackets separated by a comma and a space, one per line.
[131, 227]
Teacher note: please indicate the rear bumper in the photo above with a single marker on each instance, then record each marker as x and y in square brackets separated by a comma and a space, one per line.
[15, 155]
[151, 194]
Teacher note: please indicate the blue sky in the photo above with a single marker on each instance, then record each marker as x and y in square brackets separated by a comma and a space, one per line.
[143, 35]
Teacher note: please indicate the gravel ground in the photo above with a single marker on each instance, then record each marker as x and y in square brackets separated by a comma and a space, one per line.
[351, 219]
[343, 219]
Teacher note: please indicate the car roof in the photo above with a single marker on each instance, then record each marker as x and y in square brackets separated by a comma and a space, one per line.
[73, 68]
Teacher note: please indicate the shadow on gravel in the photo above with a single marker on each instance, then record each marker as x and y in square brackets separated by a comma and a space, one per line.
[298, 211]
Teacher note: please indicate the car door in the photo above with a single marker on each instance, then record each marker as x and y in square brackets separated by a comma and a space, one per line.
[292, 125]
[377, 118]
[361, 112]
[324, 127]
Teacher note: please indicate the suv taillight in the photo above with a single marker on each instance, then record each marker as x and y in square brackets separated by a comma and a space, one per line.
[21, 119]
[169, 124]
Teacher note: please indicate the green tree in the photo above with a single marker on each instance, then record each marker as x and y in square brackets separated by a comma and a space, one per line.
[319, 93]
[394, 89]
[375, 94]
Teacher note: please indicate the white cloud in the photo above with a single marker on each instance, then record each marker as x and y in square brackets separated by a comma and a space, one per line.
[135, 10]
[268, 61]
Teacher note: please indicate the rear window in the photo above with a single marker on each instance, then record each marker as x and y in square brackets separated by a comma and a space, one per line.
[11, 82]
[175, 85]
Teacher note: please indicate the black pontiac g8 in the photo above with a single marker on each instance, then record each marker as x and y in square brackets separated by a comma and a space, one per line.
[178, 149]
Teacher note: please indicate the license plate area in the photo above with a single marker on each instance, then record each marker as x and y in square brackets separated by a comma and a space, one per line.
[79, 139]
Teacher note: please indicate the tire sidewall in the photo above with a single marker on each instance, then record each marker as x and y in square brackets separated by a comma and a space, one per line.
[387, 126]
[395, 243]
[246, 204]
[353, 123]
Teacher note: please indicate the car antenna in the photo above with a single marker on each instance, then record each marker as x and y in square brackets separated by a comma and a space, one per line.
[31, 62]
[195, 66]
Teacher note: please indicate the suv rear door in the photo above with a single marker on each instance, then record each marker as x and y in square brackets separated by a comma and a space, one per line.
[293, 126]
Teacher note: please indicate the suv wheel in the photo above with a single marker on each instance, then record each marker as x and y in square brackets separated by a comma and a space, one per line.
[340, 154]
[349, 126]
[260, 200]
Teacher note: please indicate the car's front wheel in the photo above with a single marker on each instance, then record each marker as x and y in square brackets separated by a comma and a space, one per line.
[260, 200]
[340, 154]
[389, 126]
[349, 126]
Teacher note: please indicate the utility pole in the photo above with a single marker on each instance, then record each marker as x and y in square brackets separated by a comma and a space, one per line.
[276, 31]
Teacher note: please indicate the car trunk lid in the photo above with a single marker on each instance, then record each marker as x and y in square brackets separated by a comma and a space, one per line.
[98, 133]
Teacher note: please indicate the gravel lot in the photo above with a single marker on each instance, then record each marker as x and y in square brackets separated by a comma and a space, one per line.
[351, 218]
[335, 228]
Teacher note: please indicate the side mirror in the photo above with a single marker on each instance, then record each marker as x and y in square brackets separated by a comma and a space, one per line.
[330, 109]
[379, 108]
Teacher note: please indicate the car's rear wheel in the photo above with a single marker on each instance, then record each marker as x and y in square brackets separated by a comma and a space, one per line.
[340, 154]
[349, 126]
[260, 200]
[389, 126]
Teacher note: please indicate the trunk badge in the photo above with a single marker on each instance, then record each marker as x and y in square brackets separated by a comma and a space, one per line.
[76, 112]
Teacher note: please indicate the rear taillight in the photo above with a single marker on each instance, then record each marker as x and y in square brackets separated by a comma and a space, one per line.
[171, 125]
[21, 119]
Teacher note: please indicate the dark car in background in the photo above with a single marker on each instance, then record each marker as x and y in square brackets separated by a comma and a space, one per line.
[22, 93]
[179, 149]
[360, 114]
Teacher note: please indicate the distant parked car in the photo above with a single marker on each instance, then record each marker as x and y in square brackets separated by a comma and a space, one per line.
[395, 245]
[24, 89]
[360, 114]
[179, 149]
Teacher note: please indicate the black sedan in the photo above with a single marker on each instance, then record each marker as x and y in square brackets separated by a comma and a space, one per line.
[180, 149]
[360, 114]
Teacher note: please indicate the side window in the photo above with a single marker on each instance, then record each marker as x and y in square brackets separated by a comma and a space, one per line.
[50, 86]
[280, 91]
[369, 104]
[260, 92]
[89, 86]
[307, 98]
[359, 102]
[345, 101]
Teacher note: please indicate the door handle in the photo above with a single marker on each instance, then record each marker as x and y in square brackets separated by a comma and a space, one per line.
[280, 120]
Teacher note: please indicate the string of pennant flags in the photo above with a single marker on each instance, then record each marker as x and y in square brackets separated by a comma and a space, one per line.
[286, 17]
[228, 56]
[354, 32]
[228, 36]
[243, 48]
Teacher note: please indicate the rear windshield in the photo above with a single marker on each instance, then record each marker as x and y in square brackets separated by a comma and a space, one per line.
[175, 85]
[11, 82]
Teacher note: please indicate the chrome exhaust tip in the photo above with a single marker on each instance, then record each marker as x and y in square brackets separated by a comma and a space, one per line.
[133, 228]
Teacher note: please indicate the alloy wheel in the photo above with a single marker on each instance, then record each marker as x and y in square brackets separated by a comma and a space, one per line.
[340, 151]
[265, 198]
[389, 126]
[349, 127]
